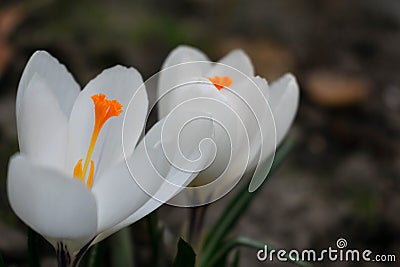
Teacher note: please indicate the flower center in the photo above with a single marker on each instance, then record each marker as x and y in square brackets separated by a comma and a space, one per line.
[221, 81]
[103, 110]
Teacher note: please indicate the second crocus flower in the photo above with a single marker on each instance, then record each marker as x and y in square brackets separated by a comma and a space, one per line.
[251, 116]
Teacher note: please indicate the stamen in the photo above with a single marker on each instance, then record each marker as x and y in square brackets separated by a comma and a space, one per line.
[221, 81]
[91, 175]
[78, 170]
[103, 110]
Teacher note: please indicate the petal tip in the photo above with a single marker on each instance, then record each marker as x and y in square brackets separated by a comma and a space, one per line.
[239, 59]
[185, 49]
[287, 82]
[43, 57]
[182, 54]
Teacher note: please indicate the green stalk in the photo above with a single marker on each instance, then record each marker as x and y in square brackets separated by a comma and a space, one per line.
[2, 261]
[33, 252]
[155, 237]
[122, 249]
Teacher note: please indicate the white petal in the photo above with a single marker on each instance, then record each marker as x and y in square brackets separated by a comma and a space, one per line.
[250, 99]
[284, 99]
[236, 65]
[229, 133]
[184, 53]
[165, 192]
[122, 84]
[191, 90]
[175, 178]
[122, 190]
[230, 163]
[55, 206]
[55, 75]
[42, 126]
[117, 196]
[183, 64]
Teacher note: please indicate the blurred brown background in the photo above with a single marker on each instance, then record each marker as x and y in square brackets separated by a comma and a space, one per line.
[343, 177]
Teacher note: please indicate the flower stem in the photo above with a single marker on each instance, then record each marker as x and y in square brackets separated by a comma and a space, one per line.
[196, 223]
[92, 256]
[64, 257]
[33, 248]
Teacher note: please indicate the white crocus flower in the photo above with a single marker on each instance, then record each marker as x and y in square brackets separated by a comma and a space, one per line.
[253, 116]
[70, 181]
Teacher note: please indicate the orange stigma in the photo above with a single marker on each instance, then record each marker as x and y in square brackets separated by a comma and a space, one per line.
[221, 81]
[103, 110]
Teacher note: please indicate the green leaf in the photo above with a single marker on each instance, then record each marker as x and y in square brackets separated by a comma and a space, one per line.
[122, 249]
[1, 261]
[228, 246]
[33, 253]
[236, 208]
[185, 256]
[95, 255]
[236, 260]
[222, 261]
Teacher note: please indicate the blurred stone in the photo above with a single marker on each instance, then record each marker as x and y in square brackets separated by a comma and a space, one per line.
[270, 59]
[334, 89]
[12, 242]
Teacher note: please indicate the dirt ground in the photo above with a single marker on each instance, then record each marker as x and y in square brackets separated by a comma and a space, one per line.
[342, 179]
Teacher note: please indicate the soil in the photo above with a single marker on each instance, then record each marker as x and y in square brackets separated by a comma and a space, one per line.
[342, 180]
